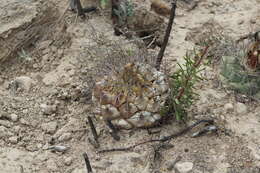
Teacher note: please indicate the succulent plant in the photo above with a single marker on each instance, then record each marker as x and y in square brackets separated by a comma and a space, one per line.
[132, 97]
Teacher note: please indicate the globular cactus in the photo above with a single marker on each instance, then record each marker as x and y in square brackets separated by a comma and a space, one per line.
[132, 97]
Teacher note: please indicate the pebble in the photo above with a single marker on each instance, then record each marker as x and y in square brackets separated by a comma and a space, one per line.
[50, 127]
[241, 108]
[13, 139]
[24, 82]
[14, 117]
[229, 107]
[68, 161]
[65, 137]
[48, 109]
[184, 167]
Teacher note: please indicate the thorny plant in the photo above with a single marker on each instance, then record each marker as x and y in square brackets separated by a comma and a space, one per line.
[182, 85]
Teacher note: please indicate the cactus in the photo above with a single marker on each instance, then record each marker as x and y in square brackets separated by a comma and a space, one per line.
[133, 97]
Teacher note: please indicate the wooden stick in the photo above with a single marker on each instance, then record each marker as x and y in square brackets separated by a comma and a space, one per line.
[166, 37]
[164, 139]
[93, 129]
[87, 163]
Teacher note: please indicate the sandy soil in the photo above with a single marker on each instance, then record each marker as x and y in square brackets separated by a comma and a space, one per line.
[44, 101]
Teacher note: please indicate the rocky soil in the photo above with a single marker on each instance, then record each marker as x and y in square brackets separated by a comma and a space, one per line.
[45, 96]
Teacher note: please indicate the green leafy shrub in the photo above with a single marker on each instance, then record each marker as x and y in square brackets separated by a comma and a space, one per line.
[182, 84]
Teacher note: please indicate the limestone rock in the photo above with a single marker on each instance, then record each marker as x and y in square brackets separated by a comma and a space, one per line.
[241, 108]
[184, 167]
[229, 107]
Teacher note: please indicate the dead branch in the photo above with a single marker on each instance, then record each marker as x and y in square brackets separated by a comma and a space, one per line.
[87, 163]
[166, 138]
[166, 37]
[93, 129]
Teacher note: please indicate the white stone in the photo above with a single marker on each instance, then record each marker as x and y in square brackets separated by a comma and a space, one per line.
[229, 107]
[14, 117]
[184, 167]
[157, 116]
[122, 123]
[241, 108]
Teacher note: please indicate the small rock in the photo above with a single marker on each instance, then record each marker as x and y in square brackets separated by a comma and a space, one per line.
[24, 82]
[68, 161]
[241, 108]
[13, 139]
[5, 123]
[65, 137]
[229, 107]
[14, 117]
[48, 109]
[50, 127]
[184, 167]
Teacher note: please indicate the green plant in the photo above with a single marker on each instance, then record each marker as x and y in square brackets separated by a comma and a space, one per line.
[125, 10]
[23, 55]
[182, 85]
[103, 3]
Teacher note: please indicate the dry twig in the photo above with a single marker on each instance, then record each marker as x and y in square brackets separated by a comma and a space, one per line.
[166, 138]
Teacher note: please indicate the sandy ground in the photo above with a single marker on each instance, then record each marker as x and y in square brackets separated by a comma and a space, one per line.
[44, 102]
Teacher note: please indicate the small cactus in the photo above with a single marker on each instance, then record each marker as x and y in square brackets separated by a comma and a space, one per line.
[133, 97]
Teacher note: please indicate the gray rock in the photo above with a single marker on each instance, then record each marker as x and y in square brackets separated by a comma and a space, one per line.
[14, 117]
[184, 167]
[65, 137]
[48, 109]
[24, 82]
[50, 127]
[241, 108]
[5, 123]
[229, 107]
